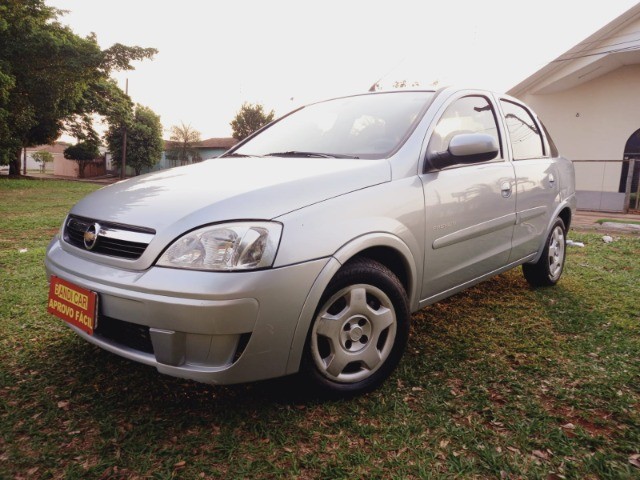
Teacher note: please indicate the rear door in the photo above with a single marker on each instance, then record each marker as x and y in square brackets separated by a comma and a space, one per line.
[470, 209]
[537, 180]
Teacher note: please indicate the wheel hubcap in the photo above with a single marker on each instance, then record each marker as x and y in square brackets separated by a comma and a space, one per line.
[356, 333]
[353, 333]
[556, 252]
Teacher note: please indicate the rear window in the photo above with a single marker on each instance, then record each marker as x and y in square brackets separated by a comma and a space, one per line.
[552, 146]
[526, 139]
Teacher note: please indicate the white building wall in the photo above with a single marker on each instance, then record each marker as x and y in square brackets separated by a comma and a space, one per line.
[32, 165]
[594, 121]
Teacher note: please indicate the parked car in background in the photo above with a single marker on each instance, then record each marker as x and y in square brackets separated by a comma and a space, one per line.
[306, 247]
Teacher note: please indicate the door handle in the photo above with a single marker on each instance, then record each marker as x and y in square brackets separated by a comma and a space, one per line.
[506, 189]
[552, 179]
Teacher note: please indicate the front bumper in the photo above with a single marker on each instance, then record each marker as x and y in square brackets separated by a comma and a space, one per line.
[213, 327]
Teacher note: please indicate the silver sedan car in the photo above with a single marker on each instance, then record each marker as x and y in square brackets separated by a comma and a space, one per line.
[307, 246]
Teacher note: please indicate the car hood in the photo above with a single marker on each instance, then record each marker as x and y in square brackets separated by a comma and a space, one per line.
[230, 188]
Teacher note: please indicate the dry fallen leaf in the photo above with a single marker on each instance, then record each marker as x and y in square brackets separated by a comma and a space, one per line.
[64, 404]
[180, 464]
[540, 454]
[569, 426]
[444, 443]
[635, 460]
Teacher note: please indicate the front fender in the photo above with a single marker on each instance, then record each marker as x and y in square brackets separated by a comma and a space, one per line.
[337, 260]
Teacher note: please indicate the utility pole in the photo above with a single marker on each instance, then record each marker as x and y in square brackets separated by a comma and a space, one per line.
[24, 161]
[124, 139]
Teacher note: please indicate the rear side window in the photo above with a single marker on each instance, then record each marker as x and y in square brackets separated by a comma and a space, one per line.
[472, 114]
[552, 145]
[526, 139]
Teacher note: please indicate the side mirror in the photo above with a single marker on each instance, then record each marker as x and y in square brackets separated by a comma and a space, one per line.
[466, 148]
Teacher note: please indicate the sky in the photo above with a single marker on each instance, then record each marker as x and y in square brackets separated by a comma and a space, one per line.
[214, 55]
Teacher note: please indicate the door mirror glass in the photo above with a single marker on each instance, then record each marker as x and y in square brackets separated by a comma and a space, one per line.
[466, 148]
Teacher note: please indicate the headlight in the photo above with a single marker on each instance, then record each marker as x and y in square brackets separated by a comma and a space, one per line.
[225, 247]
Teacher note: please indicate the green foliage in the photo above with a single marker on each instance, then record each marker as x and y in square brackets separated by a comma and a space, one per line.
[617, 220]
[52, 79]
[82, 153]
[250, 118]
[182, 144]
[42, 157]
[144, 140]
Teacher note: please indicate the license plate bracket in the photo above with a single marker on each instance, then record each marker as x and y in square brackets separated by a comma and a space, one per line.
[73, 304]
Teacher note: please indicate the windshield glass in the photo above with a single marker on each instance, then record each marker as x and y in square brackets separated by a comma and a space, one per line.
[365, 126]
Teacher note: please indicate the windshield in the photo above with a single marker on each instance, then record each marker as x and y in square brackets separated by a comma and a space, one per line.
[365, 126]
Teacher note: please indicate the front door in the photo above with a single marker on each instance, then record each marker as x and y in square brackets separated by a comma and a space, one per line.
[470, 209]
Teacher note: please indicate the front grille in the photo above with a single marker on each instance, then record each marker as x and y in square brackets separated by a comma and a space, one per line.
[112, 239]
[124, 333]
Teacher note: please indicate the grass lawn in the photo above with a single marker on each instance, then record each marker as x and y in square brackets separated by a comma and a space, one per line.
[501, 381]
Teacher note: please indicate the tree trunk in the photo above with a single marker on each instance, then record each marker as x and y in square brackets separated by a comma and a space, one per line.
[14, 165]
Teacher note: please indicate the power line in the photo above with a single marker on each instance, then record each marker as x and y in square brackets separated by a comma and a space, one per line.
[592, 42]
[593, 54]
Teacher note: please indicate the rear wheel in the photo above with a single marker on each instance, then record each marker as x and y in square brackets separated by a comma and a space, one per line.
[359, 332]
[548, 269]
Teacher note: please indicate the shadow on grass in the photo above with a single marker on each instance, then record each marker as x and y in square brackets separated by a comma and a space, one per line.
[443, 335]
[478, 327]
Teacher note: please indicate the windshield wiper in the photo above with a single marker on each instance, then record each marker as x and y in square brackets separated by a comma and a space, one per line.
[236, 155]
[296, 153]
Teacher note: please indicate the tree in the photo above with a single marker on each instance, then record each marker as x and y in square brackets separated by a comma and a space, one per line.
[82, 153]
[144, 140]
[42, 157]
[52, 80]
[181, 145]
[249, 119]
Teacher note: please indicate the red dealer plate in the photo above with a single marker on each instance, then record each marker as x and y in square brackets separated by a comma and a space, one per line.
[73, 304]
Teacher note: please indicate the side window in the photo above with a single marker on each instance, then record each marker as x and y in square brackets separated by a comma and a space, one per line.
[552, 146]
[472, 114]
[526, 140]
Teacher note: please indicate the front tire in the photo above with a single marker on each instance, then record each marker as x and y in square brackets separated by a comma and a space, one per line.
[359, 331]
[548, 269]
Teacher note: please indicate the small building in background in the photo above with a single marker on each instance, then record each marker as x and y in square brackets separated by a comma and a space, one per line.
[69, 168]
[60, 165]
[589, 99]
[55, 149]
[214, 147]
[206, 149]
